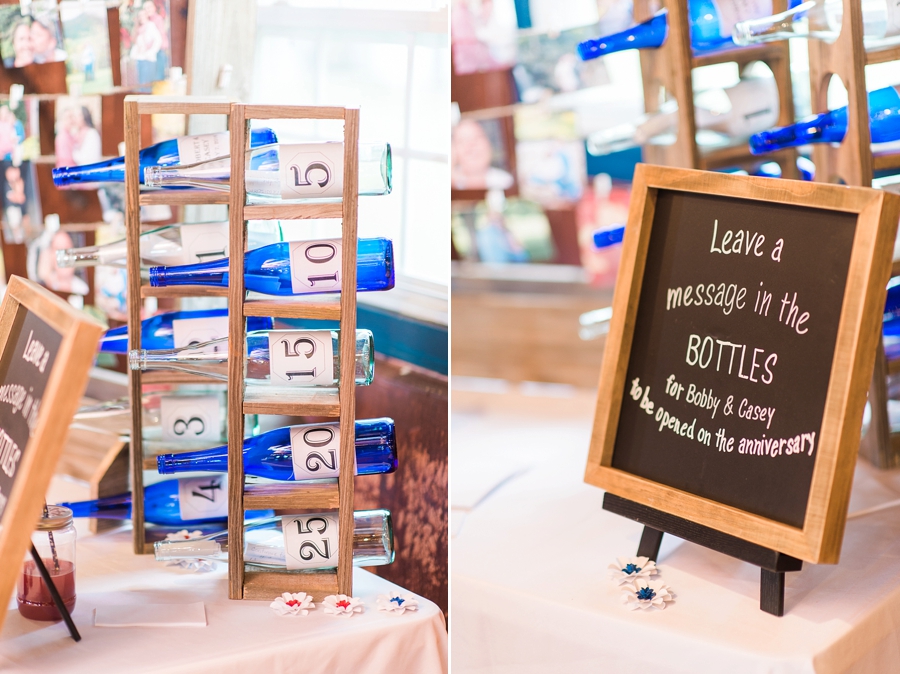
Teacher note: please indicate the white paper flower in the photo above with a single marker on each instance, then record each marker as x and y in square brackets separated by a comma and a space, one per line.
[297, 603]
[629, 569]
[341, 604]
[397, 603]
[195, 565]
[646, 594]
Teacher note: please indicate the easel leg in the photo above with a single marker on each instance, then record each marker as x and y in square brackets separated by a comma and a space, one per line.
[57, 600]
[771, 592]
[650, 542]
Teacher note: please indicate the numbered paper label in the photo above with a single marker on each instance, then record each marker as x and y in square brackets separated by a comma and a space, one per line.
[204, 242]
[893, 19]
[310, 541]
[315, 266]
[316, 450]
[192, 149]
[191, 418]
[312, 170]
[203, 498]
[301, 357]
[735, 11]
[191, 331]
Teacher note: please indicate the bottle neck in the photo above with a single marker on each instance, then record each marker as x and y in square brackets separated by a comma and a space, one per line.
[214, 459]
[648, 35]
[111, 170]
[213, 273]
[829, 127]
[110, 507]
[792, 23]
[213, 365]
[90, 256]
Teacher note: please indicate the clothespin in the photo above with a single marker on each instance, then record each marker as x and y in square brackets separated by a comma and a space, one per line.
[25, 7]
[51, 222]
[16, 92]
[17, 153]
[224, 78]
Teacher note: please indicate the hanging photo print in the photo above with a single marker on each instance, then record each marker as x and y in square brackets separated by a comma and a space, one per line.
[89, 68]
[22, 220]
[19, 127]
[146, 51]
[42, 266]
[479, 156]
[30, 34]
[78, 140]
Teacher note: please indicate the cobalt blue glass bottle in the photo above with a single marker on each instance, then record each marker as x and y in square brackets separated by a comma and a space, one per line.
[307, 452]
[291, 268]
[710, 29]
[185, 150]
[171, 503]
[178, 328]
[830, 127]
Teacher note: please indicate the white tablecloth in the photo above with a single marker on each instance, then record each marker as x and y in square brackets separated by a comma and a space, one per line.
[530, 591]
[242, 637]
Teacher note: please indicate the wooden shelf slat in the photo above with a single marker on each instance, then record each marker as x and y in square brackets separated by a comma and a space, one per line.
[886, 160]
[181, 105]
[294, 211]
[262, 586]
[320, 495]
[759, 52]
[181, 197]
[184, 291]
[292, 112]
[328, 311]
[291, 401]
[883, 55]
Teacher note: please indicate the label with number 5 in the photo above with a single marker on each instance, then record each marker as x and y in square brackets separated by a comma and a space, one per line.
[310, 541]
[315, 266]
[311, 170]
[301, 357]
[316, 450]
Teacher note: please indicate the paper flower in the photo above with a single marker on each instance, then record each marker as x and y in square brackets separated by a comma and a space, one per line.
[195, 565]
[629, 569]
[298, 603]
[397, 603]
[646, 594]
[341, 604]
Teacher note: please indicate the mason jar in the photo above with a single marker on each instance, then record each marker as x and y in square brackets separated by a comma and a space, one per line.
[54, 540]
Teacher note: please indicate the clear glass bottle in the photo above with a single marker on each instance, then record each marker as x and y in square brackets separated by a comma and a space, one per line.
[264, 542]
[277, 357]
[286, 172]
[173, 245]
[822, 19]
[54, 540]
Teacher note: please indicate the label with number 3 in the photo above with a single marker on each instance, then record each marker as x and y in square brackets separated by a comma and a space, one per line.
[311, 170]
[316, 450]
[301, 358]
[315, 266]
[190, 418]
[310, 541]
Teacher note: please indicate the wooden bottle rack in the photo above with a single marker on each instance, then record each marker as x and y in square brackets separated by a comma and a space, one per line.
[337, 402]
[669, 68]
[853, 162]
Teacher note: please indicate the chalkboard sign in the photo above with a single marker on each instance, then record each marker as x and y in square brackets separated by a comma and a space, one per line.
[745, 322]
[46, 351]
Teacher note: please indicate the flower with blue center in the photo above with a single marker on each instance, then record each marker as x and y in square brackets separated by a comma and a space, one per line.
[629, 569]
[646, 594]
[397, 602]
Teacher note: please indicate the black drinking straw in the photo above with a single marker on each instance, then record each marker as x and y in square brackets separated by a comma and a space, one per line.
[54, 594]
[52, 542]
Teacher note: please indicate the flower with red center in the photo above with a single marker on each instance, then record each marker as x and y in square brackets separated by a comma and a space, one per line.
[341, 604]
[298, 603]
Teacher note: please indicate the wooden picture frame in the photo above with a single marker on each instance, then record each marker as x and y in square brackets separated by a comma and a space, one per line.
[66, 381]
[819, 539]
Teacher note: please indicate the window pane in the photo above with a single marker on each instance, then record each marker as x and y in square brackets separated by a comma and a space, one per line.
[426, 253]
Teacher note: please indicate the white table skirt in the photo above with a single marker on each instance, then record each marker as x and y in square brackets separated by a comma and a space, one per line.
[530, 591]
[241, 636]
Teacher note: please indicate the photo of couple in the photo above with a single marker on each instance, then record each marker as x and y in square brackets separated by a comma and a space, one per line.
[31, 37]
[144, 26]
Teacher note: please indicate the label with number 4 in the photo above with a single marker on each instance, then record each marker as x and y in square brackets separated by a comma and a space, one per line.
[310, 541]
[203, 498]
[191, 418]
[315, 266]
[311, 170]
[301, 358]
[316, 450]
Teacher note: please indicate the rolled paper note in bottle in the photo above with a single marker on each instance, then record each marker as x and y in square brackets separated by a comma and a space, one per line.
[822, 20]
[185, 150]
[830, 127]
[295, 542]
[711, 26]
[175, 329]
[287, 172]
[171, 503]
[305, 452]
[277, 357]
[292, 268]
[172, 245]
